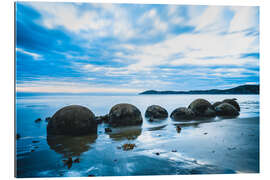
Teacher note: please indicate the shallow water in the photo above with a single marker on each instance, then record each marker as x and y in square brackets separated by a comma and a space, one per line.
[217, 146]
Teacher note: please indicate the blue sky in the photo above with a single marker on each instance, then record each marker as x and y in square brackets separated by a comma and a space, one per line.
[86, 47]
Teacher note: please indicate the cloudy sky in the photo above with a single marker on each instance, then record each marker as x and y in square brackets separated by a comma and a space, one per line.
[84, 47]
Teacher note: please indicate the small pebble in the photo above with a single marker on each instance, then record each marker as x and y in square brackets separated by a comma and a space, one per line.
[178, 128]
[38, 120]
[47, 119]
[127, 147]
[108, 129]
[77, 160]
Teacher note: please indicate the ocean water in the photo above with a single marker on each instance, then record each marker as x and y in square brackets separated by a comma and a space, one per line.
[157, 151]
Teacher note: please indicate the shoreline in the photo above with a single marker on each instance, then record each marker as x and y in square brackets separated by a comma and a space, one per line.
[227, 143]
[224, 146]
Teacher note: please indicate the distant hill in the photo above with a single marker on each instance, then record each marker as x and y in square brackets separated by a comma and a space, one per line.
[244, 89]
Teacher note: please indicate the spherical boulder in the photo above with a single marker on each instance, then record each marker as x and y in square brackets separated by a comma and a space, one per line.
[216, 104]
[200, 106]
[125, 115]
[156, 111]
[226, 109]
[209, 112]
[182, 113]
[233, 102]
[72, 120]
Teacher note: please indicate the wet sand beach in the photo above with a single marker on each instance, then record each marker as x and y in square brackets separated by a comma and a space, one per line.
[154, 148]
[219, 146]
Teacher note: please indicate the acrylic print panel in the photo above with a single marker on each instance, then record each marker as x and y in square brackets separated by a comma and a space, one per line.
[136, 89]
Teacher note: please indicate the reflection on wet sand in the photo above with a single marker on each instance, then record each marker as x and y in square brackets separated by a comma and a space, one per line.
[156, 120]
[193, 123]
[157, 128]
[71, 146]
[123, 133]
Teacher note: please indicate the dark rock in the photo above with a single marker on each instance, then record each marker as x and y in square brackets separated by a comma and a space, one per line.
[68, 162]
[77, 160]
[91, 175]
[127, 147]
[108, 130]
[18, 136]
[210, 112]
[227, 110]
[182, 113]
[38, 120]
[232, 102]
[99, 120]
[156, 111]
[231, 148]
[102, 119]
[216, 104]
[157, 153]
[47, 119]
[35, 141]
[174, 150]
[178, 128]
[72, 120]
[200, 106]
[125, 115]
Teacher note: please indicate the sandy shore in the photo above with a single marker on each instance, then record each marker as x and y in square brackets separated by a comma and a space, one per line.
[214, 147]
[231, 144]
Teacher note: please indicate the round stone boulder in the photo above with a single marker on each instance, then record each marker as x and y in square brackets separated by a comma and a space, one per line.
[232, 102]
[200, 106]
[125, 115]
[72, 120]
[226, 109]
[216, 104]
[156, 111]
[209, 113]
[182, 113]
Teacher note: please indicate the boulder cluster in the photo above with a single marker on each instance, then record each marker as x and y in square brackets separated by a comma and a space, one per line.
[201, 108]
[78, 120]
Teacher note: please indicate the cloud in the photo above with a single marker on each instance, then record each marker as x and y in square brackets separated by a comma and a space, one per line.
[100, 20]
[69, 87]
[68, 16]
[152, 18]
[135, 47]
[212, 19]
[34, 55]
[195, 50]
[245, 18]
